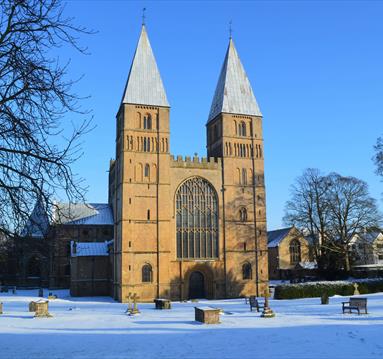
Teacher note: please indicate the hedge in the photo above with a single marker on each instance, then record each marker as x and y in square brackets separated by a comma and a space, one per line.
[316, 289]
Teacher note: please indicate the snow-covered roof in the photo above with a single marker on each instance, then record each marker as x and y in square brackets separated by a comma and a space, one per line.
[274, 238]
[308, 265]
[80, 213]
[144, 85]
[233, 93]
[89, 249]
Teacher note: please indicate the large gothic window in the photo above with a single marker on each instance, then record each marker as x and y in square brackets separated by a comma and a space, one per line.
[197, 219]
[295, 251]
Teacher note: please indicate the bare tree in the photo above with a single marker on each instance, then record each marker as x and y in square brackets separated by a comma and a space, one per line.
[37, 145]
[351, 211]
[333, 209]
[308, 207]
[378, 156]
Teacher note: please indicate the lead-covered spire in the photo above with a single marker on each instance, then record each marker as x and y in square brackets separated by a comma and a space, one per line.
[144, 85]
[233, 93]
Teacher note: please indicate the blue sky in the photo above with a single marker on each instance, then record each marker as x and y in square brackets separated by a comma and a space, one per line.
[316, 68]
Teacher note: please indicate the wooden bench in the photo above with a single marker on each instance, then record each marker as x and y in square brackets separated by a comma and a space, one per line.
[207, 315]
[254, 303]
[356, 304]
[163, 303]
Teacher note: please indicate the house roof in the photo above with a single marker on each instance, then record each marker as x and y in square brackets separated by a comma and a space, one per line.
[274, 238]
[233, 93]
[83, 214]
[144, 85]
[369, 236]
[89, 249]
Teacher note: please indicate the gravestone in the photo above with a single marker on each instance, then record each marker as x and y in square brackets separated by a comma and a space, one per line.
[1, 308]
[14, 290]
[135, 308]
[207, 315]
[129, 297]
[41, 309]
[356, 291]
[163, 303]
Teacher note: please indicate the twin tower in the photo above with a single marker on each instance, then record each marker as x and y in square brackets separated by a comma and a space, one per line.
[188, 227]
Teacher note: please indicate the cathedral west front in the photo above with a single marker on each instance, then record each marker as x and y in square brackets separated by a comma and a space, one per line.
[188, 227]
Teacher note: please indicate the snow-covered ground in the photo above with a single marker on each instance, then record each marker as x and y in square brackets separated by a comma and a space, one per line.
[99, 328]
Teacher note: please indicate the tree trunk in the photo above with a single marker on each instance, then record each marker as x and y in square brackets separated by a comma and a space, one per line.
[347, 266]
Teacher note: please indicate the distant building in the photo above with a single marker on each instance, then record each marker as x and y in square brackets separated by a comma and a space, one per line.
[367, 251]
[44, 250]
[289, 254]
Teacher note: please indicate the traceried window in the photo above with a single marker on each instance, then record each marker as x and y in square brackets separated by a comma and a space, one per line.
[147, 273]
[295, 251]
[246, 271]
[197, 219]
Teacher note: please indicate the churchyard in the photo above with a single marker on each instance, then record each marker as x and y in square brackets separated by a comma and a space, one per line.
[101, 328]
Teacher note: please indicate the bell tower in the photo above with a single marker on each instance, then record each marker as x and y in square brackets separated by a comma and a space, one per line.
[141, 179]
[234, 133]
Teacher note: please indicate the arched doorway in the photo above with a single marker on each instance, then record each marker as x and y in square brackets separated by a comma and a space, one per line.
[196, 285]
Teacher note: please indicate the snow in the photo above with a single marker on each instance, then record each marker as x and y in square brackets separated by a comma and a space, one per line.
[99, 328]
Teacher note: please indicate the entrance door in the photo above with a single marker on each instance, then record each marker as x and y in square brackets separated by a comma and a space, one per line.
[196, 286]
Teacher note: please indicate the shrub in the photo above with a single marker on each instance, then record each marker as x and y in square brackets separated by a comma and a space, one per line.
[316, 289]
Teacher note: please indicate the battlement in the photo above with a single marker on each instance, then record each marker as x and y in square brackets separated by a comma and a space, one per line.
[195, 162]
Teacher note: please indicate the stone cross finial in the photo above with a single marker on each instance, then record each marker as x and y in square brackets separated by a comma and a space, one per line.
[230, 29]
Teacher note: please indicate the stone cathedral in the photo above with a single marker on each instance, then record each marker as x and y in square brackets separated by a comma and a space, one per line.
[188, 227]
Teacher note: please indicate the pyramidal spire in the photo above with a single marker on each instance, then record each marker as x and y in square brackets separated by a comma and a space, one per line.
[233, 93]
[144, 85]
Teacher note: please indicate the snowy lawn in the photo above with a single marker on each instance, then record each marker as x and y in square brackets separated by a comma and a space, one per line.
[98, 328]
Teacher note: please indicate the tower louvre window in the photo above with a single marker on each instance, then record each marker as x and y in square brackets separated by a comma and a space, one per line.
[147, 171]
[244, 176]
[147, 122]
[197, 220]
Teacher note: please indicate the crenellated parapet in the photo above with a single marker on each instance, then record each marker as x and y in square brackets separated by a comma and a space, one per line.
[213, 163]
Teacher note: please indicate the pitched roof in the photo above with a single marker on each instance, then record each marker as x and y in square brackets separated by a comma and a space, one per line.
[233, 93]
[79, 213]
[86, 249]
[144, 85]
[370, 236]
[38, 223]
[274, 238]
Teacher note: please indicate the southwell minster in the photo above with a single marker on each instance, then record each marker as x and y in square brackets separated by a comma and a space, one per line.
[188, 227]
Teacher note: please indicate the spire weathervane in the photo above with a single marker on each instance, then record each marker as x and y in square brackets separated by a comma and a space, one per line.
[143, 16]
[230, 29]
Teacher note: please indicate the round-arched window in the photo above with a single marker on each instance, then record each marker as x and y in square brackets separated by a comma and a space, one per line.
[147, 276]
[197, 219]
[246, 271]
